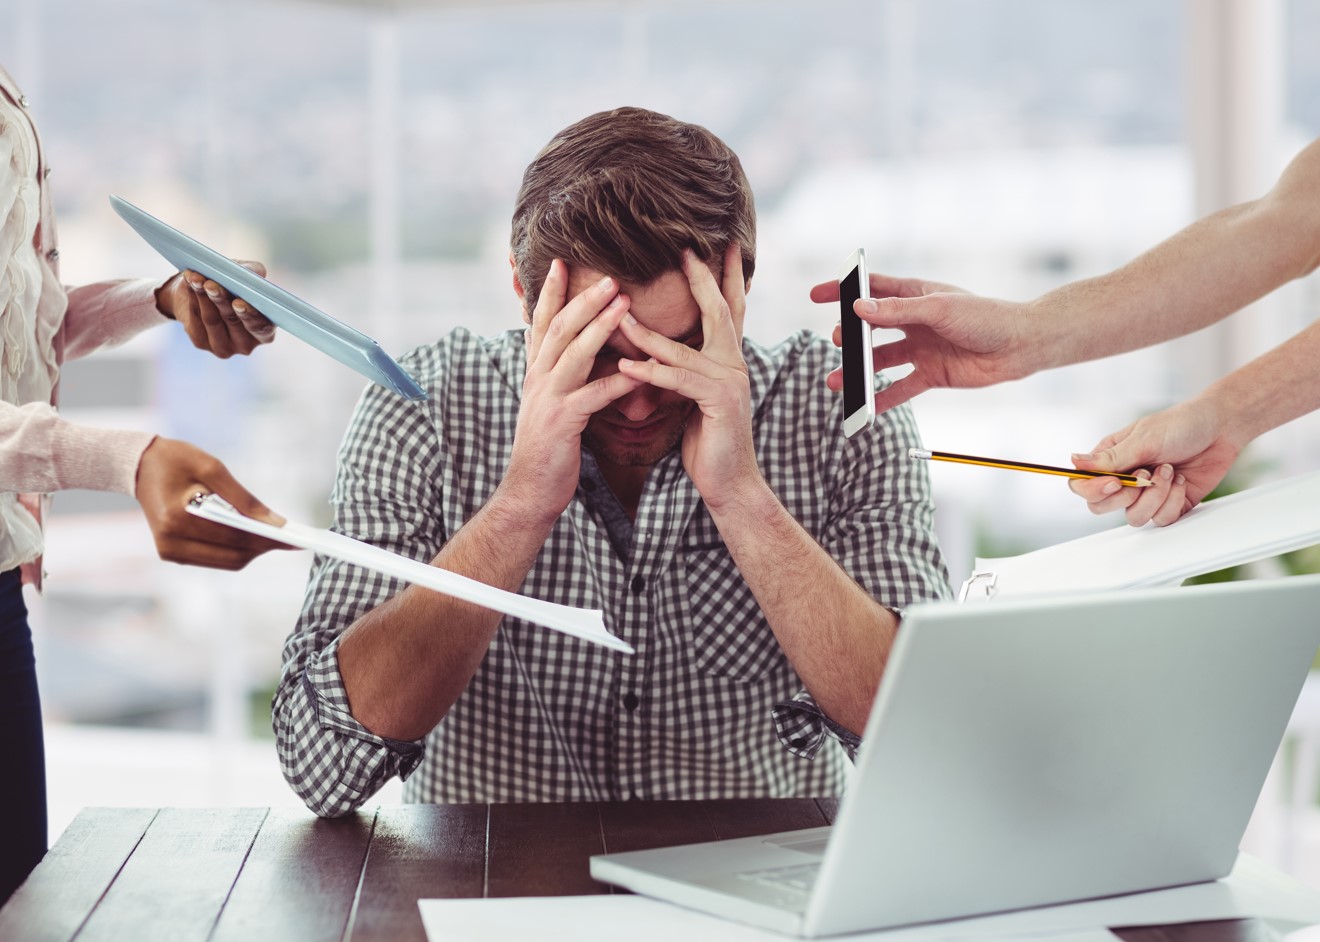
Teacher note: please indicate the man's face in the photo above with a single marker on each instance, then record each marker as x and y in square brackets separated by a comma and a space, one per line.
[640, 428]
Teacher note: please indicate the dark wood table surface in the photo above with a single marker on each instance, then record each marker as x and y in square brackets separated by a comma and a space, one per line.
[223, 874]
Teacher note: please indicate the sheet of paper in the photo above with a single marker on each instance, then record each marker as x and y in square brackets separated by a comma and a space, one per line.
[1253, 889]
[1244, 527]
[588, 624]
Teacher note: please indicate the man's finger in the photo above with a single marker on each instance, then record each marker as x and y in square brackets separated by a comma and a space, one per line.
[548, 304]
[716, 318]
[599, 393]
[893, 353]
[825, 292]
[686, 382]
[566, 323]
[670, 352]
[899, 391]
[900, 312]
[575, 363]
[734, 286]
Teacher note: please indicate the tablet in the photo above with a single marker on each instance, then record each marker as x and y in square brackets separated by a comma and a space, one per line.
[287, 312]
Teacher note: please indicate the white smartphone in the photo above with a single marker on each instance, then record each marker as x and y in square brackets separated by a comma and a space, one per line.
[858, 368]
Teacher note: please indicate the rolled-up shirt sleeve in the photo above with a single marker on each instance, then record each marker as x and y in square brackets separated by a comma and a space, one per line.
[331, 761]
[387, 474]
[803, 727]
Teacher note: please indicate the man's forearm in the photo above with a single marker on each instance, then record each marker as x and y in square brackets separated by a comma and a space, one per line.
[406, 661]
[835, 635]
[1271, 390]
[1197, 277]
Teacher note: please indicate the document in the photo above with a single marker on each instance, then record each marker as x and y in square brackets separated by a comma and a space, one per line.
[588, 624]
[1241, 528]
[1252, 890]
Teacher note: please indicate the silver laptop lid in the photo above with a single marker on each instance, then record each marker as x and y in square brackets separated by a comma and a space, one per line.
[1026, 752]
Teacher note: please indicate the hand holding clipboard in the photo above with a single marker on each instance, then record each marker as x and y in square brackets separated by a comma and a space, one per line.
[292, 314]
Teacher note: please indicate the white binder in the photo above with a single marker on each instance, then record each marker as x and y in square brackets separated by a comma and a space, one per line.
[1241, 528]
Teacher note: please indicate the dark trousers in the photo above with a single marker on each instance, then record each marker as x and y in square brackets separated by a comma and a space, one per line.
[22, 750]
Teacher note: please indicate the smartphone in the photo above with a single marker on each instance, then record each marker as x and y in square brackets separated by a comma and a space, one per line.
[858, 368]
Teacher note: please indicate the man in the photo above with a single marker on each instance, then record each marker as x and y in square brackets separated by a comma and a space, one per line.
[1196, 277]
[629, 452]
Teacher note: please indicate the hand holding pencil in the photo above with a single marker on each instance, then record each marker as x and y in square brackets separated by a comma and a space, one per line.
[1189, 448]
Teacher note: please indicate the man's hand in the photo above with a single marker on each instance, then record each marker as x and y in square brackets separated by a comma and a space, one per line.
[1186, 445]
[718, 452]
[557, 399]
[952, 339]
[169, 475]
[213, 319]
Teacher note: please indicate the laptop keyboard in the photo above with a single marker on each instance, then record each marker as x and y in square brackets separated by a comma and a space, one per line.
[798, 877]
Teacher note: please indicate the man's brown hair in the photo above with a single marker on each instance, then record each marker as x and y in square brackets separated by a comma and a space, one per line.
[624, 192]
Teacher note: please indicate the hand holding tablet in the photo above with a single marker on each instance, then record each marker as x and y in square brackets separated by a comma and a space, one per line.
[289, 313]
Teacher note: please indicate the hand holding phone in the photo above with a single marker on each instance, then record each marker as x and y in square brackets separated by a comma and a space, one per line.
[858, 367]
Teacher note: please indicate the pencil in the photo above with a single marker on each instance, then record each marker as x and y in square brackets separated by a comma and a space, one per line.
[1128, 480]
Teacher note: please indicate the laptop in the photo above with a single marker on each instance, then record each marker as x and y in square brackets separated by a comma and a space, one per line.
[1028, 752]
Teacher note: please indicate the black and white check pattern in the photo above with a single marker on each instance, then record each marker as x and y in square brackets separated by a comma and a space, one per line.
[708, 707]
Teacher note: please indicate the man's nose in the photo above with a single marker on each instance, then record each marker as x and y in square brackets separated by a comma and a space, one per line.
[640, 404]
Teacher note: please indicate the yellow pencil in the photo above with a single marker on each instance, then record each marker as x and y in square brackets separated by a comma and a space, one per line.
[1128, 480]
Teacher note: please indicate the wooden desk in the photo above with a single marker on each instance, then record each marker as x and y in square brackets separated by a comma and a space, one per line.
[246, 874]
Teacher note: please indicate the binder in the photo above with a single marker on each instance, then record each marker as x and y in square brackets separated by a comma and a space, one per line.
[286, 311]
[1240, 528]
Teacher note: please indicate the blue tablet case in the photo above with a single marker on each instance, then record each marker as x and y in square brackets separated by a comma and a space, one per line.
[287, 312]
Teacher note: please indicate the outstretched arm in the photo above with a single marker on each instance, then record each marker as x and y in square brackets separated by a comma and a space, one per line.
[1197, 277]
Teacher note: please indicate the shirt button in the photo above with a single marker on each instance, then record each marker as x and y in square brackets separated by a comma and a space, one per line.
[22, 101]
[638, 585]
[45, 172]
[630, 702]
[53, 254]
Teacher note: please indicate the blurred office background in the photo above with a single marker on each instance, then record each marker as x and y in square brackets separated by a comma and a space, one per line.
[369, 152]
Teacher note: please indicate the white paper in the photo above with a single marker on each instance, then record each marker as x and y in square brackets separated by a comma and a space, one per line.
[1252, 890]
[1241, 528]
[588, 624]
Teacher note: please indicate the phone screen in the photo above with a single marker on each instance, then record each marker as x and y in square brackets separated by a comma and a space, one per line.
[857, 381]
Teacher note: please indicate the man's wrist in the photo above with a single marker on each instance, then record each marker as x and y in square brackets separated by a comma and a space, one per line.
[508, 507]
[752, 500]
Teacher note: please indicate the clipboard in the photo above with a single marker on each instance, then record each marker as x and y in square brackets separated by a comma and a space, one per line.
[585, 623]
[291, 314]
[1234, 530]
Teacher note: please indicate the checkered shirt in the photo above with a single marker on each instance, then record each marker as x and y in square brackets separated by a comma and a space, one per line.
[708, 707]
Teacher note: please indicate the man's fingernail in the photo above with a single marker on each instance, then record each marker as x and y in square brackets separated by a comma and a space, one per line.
[866, 306]
[1111, 487]
[1083, 456]
[1166, 472]
[630, 320]
[605, 283]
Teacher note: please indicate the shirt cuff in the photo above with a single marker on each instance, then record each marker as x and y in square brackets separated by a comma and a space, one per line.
[326, 693]
[97, 459]
[803, 727]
